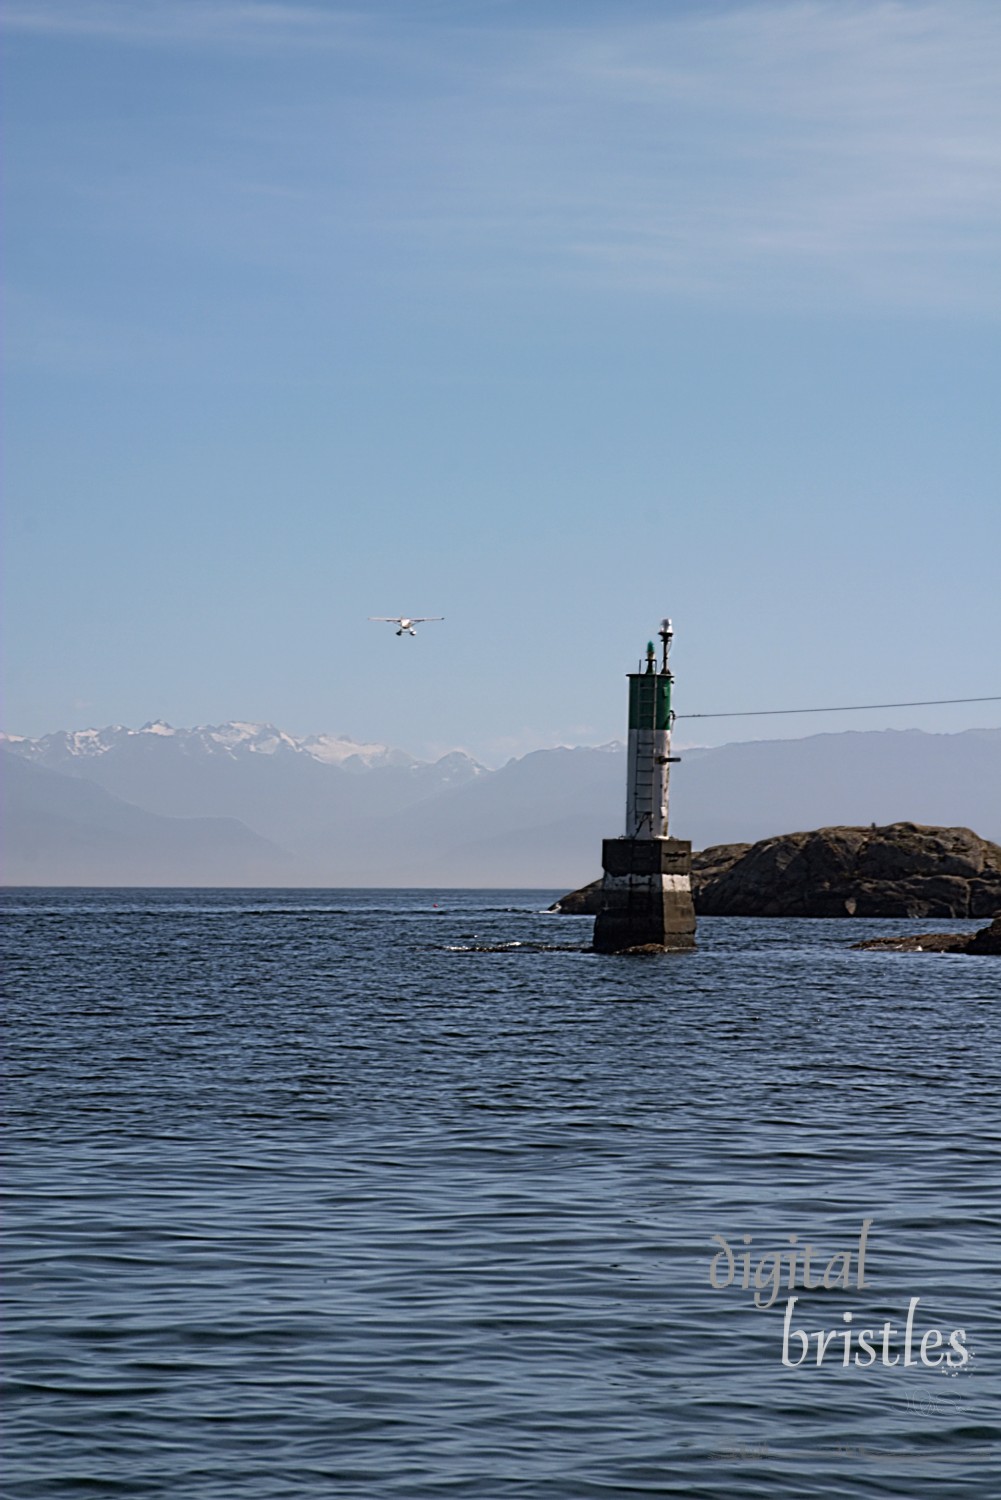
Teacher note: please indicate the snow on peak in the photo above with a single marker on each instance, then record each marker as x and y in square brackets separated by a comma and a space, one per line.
[233, 740]
[256, 739]
[86, 741]
[335, 749]
[64, 743]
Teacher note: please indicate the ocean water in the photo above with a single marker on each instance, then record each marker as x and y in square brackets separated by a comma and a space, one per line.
[407, 1194]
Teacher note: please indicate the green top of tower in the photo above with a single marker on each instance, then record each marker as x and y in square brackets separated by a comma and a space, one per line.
[650, 686]
[649, 700]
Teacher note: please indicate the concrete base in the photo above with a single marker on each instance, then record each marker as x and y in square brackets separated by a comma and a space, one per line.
[646, 896]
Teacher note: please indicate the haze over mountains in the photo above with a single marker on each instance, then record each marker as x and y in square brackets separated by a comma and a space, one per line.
[247, 804]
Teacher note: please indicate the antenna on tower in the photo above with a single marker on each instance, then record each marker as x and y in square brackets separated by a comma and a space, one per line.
[666, 635]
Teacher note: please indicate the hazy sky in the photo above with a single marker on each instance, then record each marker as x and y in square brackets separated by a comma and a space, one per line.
[549, 317]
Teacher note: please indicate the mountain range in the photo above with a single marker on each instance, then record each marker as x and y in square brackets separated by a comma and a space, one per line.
[249, 804]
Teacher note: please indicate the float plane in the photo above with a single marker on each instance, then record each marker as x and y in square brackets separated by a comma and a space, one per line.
[405, 625]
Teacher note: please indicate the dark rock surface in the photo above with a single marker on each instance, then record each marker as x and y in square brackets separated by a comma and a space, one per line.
[582, 903]
[899, 870]
[986, 941]
[710, 863]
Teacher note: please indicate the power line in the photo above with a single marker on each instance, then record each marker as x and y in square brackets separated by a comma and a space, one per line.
[841, 708]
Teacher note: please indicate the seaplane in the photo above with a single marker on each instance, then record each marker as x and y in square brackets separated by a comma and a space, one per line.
[404, 625]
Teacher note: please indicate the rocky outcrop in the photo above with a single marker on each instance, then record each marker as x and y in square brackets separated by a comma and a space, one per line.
[899, 870]
[986, 941]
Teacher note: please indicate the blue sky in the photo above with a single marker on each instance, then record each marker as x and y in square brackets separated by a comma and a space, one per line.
[549, 318]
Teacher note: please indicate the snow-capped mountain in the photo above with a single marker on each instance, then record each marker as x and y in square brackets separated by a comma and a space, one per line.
[290, 790]
[334, 811]
[233, 740]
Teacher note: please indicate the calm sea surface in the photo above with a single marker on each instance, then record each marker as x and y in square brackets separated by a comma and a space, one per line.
[342, 1194]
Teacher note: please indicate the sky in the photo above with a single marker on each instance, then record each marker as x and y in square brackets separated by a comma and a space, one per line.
[548, 318]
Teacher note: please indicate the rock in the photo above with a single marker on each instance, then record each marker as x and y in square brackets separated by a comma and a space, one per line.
[582, 903]
[899, 870]
[711, 862]
[987, 940]
[921, 942]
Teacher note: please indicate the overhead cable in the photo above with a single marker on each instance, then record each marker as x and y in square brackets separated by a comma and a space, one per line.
[841, 708]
